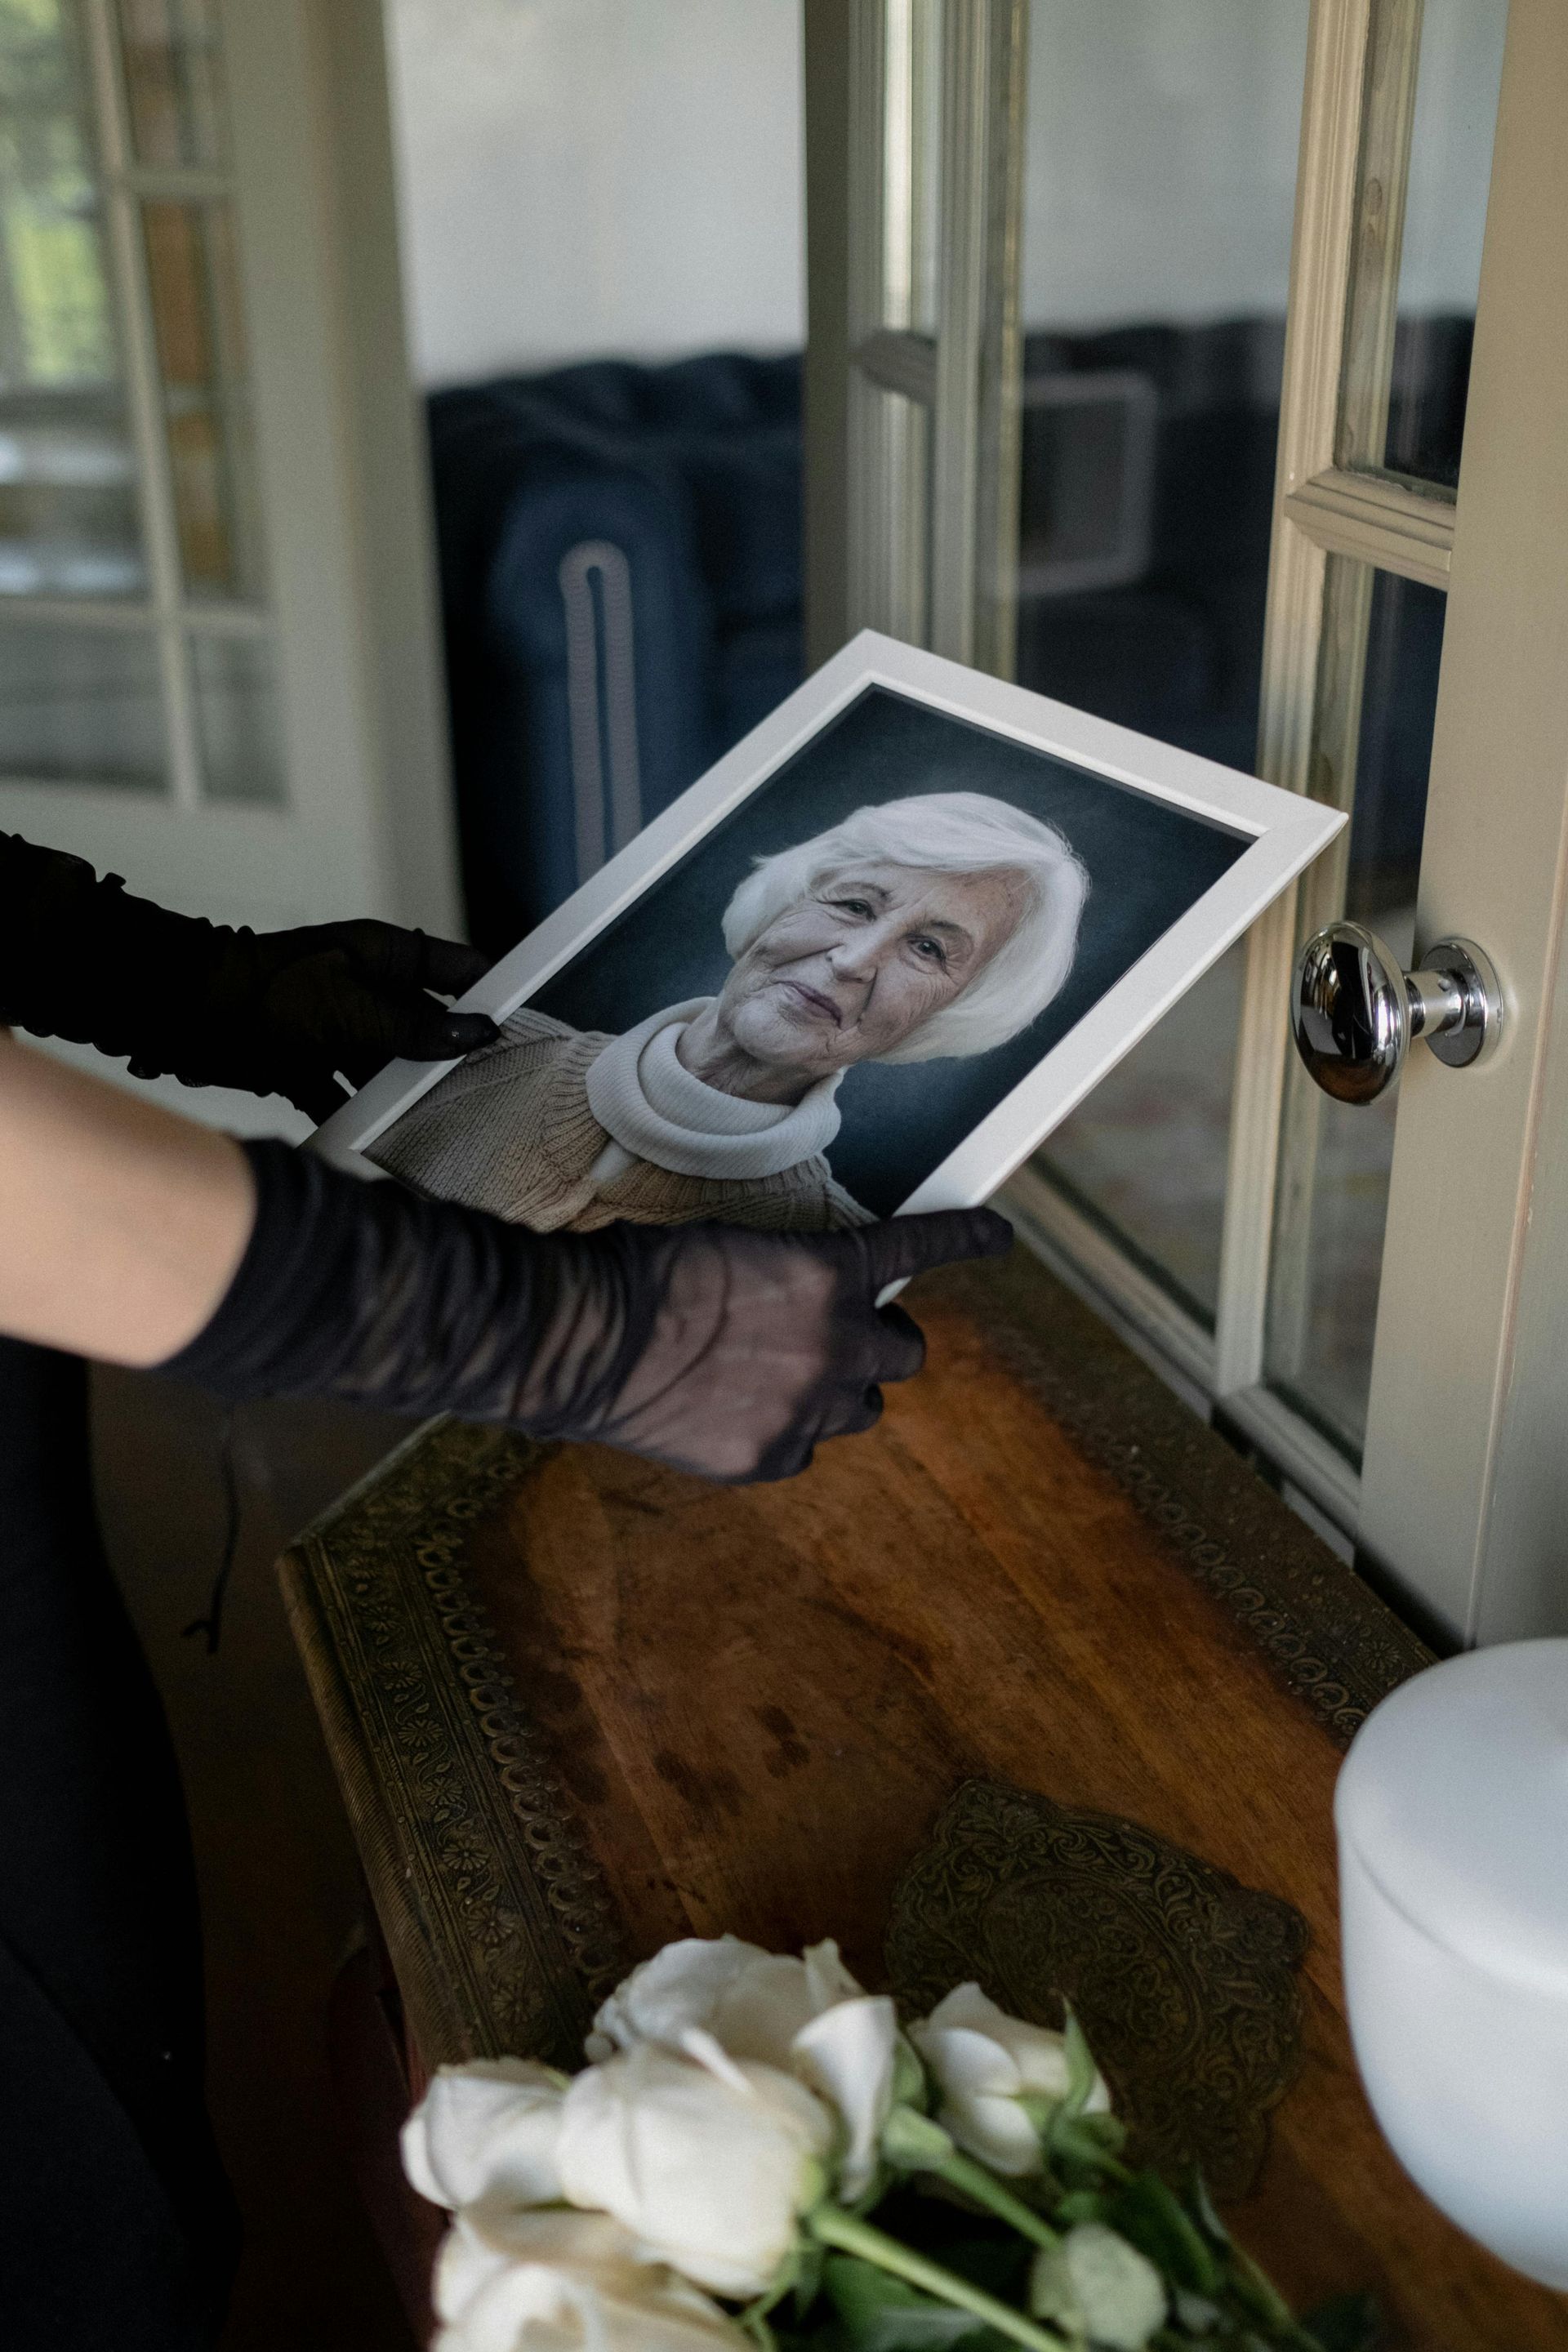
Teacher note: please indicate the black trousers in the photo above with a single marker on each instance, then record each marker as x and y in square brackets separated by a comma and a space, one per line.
[118, 2230]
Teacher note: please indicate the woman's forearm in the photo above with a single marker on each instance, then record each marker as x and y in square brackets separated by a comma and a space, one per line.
[121, 1224]
[134, 1236]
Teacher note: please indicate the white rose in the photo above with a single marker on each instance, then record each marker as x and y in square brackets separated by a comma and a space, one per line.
[1100, 2288]
[706, 2159]
[486, 2128]
[517, 2282]
[985, 2064]
[752, 2002]
[850, 2054]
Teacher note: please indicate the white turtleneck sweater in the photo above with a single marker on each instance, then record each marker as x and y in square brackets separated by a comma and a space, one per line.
[653, 1109]
[558, 1127]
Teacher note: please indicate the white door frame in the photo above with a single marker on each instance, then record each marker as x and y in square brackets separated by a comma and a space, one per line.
[1466, 1480]
[1463, 1497]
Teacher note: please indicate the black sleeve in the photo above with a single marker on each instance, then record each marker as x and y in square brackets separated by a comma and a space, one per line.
[363, 1292]
[81, 959]
[274, 1012]
[712, 1348]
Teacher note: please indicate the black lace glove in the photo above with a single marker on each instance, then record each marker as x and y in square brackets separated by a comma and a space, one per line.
[720, 1350]
[276, 1014]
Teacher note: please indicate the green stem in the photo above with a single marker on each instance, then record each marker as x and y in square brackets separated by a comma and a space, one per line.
[834, 2227]
[960, 2172]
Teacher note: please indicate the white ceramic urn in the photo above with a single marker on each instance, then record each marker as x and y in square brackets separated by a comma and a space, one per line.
[1452, 1812]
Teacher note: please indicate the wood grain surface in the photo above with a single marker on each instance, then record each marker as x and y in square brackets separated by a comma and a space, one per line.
[760, 1698]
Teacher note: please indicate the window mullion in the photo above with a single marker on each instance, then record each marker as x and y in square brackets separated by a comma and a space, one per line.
[1377, 519]
[145, 390]
[1315, 350]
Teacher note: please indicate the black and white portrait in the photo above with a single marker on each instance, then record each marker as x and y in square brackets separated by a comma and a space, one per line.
[805, 1014]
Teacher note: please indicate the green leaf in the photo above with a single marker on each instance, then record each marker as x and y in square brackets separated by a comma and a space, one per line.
[806, 2284]
[1090, 2138]
[881, 2314]
[912, 2143]
[1256, 2293]
[1079, 2205]
[1082, 2072]
[1350, 2323]
[1200, 2205]
[1150, 2213]
[911, 2085]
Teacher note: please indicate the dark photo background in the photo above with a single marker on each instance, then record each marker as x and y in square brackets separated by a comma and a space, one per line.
[1147, 862]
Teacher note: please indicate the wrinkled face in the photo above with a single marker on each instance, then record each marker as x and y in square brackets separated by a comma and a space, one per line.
[852, 971]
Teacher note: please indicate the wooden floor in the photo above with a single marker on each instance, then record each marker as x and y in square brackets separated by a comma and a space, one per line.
[281, 1885]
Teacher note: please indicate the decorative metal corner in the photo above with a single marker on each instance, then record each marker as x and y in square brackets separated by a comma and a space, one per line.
[1184, 1980]
[501, 1927]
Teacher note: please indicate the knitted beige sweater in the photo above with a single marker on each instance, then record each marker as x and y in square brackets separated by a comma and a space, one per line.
[509, 1131]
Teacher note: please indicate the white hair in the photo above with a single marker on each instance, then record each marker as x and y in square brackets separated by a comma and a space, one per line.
[948, 833]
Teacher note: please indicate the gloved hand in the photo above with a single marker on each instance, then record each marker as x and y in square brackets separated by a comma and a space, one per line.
[718, 1350]
[276, 1014]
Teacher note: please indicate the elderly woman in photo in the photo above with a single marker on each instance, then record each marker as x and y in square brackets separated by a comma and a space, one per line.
[937, 926]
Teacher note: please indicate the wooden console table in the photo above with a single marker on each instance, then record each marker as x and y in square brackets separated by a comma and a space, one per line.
[1034, 1673]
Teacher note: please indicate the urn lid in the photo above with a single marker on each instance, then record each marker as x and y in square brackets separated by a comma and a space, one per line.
[1454, 1796]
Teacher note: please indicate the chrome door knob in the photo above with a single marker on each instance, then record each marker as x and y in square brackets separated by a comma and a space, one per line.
[1353, 1011]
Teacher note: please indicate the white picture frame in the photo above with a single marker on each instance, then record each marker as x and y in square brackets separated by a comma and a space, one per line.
[1283, 832]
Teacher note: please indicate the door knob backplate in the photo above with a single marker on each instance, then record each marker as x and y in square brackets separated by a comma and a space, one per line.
[1354, 1009]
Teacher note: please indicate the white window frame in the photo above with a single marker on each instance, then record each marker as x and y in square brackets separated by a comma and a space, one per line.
[367, 826]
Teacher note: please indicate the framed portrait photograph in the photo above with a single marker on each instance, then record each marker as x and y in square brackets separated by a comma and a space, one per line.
[864, 965]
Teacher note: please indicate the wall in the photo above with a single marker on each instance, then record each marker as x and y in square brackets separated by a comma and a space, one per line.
[1161, 163]
[581, 176]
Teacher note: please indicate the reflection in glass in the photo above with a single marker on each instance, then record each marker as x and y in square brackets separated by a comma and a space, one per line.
[68, 518]
[1425, 165]
[1332, 1199]
[236, 716]
[911, 164]
[1145, 1159]
[173, 81]
[80, 706]
[193, 277]
[1160, 176]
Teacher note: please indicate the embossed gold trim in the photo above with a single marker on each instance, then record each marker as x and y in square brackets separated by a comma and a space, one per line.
[1185, 1979]
[501, 1930]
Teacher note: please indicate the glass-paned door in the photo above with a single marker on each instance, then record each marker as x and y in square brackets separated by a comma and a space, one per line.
[1158, 191]
[1306, 516]
[137, 647]
[1398, 132]
[218, 673]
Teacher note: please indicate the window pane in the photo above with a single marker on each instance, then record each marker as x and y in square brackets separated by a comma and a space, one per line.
[80, 706]
[195, 287]
[1142, 1161]
[1160, 175]
[236, 713]
[1378, 697]
[1425, 165]
[911, 163]
[68, 520]
[173, 81]
[201, 352]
